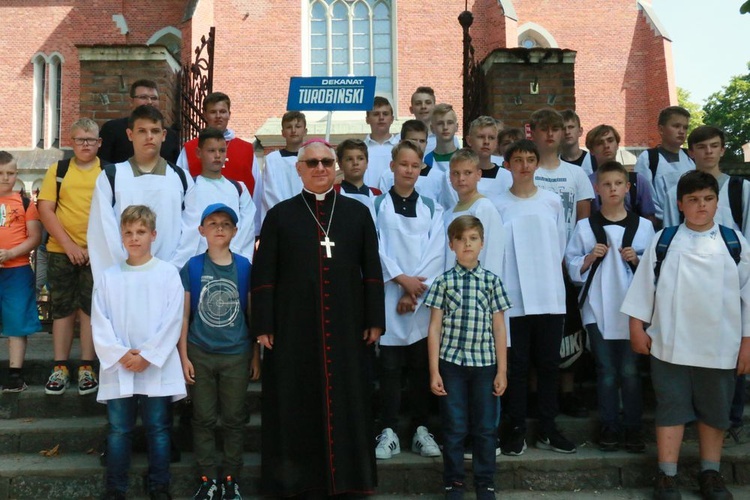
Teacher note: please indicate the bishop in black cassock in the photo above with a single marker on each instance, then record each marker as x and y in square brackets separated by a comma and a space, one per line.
[317, 303]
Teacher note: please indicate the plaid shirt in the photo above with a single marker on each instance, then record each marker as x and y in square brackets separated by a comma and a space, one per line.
[468, 299]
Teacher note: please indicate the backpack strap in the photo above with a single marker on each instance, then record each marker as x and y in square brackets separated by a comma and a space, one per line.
[632, 221]
[732, 242]
[653, 162]
[62, 169]
[195, 271]
[26, 201]
[596, 221]
[735, 199]
[633, 179]
[183, 178]
[110, 170]
[665, 239]
[243, 282]
[430, 204]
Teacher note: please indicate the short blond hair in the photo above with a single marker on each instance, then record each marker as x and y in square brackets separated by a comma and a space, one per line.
[443, 109]
[85, 124]
[406, 144]
[483, 122]
[138, 213]
[465, 155]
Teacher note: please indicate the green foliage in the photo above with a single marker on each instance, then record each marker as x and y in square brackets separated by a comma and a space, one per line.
[745, 8]
[729, 109]
[696, 113]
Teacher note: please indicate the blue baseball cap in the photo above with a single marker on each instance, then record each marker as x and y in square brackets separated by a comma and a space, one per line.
[219, 207]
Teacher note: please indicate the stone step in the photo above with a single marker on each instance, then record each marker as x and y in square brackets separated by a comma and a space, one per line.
[77, 475]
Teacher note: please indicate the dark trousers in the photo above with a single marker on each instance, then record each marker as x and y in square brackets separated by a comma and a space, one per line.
[220, 389]
[534, 338]
[738, 402]
[469, 408]
[393, 360]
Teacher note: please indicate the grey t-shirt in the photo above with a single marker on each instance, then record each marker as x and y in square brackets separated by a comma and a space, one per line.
[218, 324]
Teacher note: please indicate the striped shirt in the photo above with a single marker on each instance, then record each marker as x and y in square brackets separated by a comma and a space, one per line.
[468, 299]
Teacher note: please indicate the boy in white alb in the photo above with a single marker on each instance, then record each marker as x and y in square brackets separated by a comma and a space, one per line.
[692, 289]
[602, 256]
[379, 141]
[663, 165]
[412, 252]
[212, 187]
[280, 178]
[482, 139]
[136, 317]
[706, 145]
[570, 149]
[464, 176]
[352, 155]
[575, 190]
[444, 125]
[534, 248]
[144, 179]
[431, 179]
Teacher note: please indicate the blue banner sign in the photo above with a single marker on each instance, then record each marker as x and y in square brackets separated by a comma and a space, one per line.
[331, 93]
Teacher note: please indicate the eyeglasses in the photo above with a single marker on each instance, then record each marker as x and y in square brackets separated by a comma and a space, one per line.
[313, 162]
[144, 97]
[88, 141]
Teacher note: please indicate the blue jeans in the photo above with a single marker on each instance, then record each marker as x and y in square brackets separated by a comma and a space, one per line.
[155, 414]
[616, 370]
[469, 408]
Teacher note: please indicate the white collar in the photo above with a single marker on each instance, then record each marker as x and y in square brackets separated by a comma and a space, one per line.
[318, 196]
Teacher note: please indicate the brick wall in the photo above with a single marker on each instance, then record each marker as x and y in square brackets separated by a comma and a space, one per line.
[510, 73]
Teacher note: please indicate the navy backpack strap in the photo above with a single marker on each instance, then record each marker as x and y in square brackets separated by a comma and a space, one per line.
[632, 221]
[379, 201]
[665, 239]
[183, 179]
[732, 242]
[195, 272]
[633, 179]
[111, 172]
[430, 204]
[62, 169]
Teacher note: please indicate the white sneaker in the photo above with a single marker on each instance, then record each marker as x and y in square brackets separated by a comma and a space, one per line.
[388, 444]
[424, 443]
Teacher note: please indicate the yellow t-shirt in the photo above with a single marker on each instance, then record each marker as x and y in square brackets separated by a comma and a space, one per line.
[74, 205]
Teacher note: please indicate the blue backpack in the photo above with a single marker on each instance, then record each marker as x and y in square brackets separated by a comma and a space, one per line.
[195, 271]
[667, 235]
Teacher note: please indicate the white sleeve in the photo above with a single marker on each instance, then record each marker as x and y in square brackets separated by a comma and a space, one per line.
[109, 348]
[157, 349]
[257, 195]
[639, 301]
[103, 235]
[275, 187]
[562, 228]
[433, 256]
[577, 250]
[190, 220]
[385, 183]
[641, 167]
[745, 209]
[182, 161]
[494, 238]
[243, 242]
[584, 189]
[660, 195]
[448, 197]
[743, 269]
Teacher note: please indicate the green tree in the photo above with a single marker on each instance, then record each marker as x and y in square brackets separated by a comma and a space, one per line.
[696, 113]
[745, 7]
[729, 109]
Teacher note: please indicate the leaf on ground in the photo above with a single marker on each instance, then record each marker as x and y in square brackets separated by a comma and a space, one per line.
[91, 451]
[52, 452]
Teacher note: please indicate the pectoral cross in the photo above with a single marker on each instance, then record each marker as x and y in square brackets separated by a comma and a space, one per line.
[328, 244]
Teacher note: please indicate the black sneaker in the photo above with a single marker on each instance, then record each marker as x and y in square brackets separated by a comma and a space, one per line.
[485, 493]
[230, 490]
[113, 495]
[554, 441]
[15, 384]
[712, 486]
[665, 488]
[455, 491]
[609, 440]
[208, 490]
[634, 442]
[572, 405]
[515, 445]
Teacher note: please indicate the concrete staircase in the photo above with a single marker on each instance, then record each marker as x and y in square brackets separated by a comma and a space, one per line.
[31, 422]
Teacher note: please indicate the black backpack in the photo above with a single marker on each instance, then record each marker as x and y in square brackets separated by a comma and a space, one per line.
[597, 222]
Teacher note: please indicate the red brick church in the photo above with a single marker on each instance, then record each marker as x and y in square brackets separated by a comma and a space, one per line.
[66, 59]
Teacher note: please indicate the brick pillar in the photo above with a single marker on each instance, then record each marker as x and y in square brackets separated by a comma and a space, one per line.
[513, 76]
[108, 71]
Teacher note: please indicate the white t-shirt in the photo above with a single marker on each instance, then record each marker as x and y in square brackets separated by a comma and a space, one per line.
[667, 175]
[571, 183]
